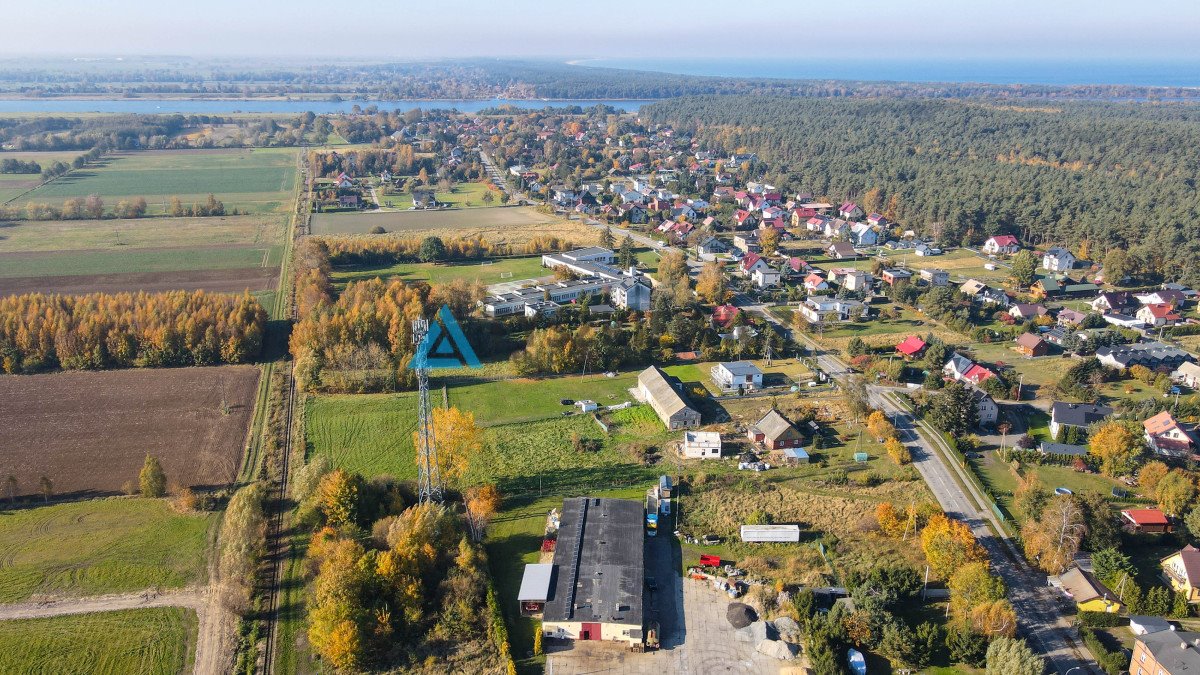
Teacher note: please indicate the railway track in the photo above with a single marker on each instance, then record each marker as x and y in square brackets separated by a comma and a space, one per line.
[278, 545]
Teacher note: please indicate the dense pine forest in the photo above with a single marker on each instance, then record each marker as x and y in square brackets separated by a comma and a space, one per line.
[1113, 175]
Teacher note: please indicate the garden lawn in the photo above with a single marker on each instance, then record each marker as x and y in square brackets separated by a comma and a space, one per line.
[1041, 373]
[144, 641]
[1002, 482]
[462, 195]
[100, 546]
[488, 272]
[254, 180]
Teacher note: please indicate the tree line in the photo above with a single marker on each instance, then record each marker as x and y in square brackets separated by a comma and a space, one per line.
[1116, 175]
[40, 332]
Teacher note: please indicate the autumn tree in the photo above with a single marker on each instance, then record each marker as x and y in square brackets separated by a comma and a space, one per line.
[949, 544]
[338, 497]
[1150, 474]
[482, 502]
[1116, 446]
[898, 451]
[1174, 492]
[995, 618]
[880, 427]
[891, 522]
[1024, 268]
[243, 527]
[458, 440]
[151, 479]
[710, 284]
[769, 240]
[972, 585]
[1052, 540]
[1010, 656]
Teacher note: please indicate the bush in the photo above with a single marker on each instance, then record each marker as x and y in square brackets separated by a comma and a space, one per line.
[1113, 662]
[1101, 619]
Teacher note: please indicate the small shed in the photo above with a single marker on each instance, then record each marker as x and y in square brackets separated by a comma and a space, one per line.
[586, 406]
[536, 583]
[795, 455]
[1144, 625]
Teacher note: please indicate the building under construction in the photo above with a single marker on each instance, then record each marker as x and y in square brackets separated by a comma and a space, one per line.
[598, 573]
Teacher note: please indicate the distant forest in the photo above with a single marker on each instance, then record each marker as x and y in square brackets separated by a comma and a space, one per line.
[1113, 175]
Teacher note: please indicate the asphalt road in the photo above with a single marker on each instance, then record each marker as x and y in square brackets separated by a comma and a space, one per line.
[1039, 614]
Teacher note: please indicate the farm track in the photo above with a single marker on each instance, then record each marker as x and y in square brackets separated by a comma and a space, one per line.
[195, 599]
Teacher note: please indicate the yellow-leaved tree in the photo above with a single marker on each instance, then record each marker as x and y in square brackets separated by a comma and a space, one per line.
[949, 544]
[1116, 445]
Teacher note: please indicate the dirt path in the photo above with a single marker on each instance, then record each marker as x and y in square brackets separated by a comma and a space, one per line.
[36, 609]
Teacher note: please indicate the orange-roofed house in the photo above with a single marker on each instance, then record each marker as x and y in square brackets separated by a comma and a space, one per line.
[723, 315]
[1145, 520]
[977, 373]
[912, 347]
[1159, 314]
[1167, 436]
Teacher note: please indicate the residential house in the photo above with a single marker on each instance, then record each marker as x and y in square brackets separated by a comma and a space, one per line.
[632, 293]
[814, 282]
[956, 368]
[863, 234]
[765, 277]
[737, 375]
[1058, 259]
[1166, 652]
[973, 289]
[1112, 302]
[837, 229]
[891, 277]
[1187, 374]
[912, 347]
[816, 224]
[935, 277]
[751, 264]
[1070, 317]
[1181, 570]
[1001, 244]
[801, 216]
[1026, 311]
[1168, 297]
[850, 278]
[841, 250]
[850, 211]
[343, 181]
[1145, 625]
[723, 315]
[1080, 415]
[701, 444]
[823, 308]
[710, 248]
[976, 374]
[995, 296]
[878, 220]
[775, 432]
[923, 250]
[633, 212]
[1151, 521]
[986, 406]
[1062, 449]
[746, 242]
[1031, 345]
[1153, 355]
[665, 396]
[1158, 314]
[744, 220]
[1123, 321]
[348, 201]
[1088, 593]
[1166, 436]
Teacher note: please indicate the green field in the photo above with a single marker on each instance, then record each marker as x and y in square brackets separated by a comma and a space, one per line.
[142, 641]
[65, 235]
[462, 195]
[99, 546]
[13, 184]
[45, 264]
[253, 180]
[529, 267]
[456, 221]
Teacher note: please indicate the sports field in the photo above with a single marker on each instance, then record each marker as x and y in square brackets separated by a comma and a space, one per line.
[507, 224]
[159, 641]
[100, 546]
[253, 180]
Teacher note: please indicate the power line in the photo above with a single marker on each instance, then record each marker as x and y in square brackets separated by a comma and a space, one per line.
[429, 479]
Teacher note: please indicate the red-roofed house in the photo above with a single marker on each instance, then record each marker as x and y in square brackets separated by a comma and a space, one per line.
[744, 218]
[1145, 520]
[752, 263]
[1158, 314]
[814, 282]
[800, 215]
[878, 220]
[1001, 243]
[850, 211]
[911, 347]
[723, 315]
[1166, 436]
[977, 373]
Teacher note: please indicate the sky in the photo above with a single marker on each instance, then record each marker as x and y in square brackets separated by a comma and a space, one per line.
[786, 29]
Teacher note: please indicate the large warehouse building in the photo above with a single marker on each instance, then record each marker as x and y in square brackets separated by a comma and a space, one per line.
[598, 561]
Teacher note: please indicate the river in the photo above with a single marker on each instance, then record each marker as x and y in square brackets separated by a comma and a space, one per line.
[224, 107]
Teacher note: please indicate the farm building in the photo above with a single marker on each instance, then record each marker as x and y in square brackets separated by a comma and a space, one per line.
[1145, 520]
[770, 533]
[536, 583]
[661, 391]
[737, 375]
[775, 432]
[1088, 593]
[701, 444]
[600, 572]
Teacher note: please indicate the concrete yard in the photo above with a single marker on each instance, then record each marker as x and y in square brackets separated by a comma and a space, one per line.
[697, 640]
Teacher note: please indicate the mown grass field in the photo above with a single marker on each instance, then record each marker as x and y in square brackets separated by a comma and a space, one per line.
[1002, 480]
[120, 235]
[252, 180]
[159, 641]
[462, 196]
[99, 546]
[488, 272]
[509, 224]
[117, 261]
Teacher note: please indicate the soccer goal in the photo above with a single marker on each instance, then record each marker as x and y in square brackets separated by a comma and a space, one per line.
[506, 275]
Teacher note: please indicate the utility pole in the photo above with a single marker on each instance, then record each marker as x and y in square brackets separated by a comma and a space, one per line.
[429, 481]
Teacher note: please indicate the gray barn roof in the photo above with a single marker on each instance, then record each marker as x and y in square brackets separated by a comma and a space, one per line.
[773, 425]
[535, 583]
[600, 562]
[663, 396]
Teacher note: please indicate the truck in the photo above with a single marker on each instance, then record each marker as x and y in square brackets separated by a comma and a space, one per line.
[651, 524]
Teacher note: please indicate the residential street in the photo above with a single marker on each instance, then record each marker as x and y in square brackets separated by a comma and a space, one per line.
[1036, 604]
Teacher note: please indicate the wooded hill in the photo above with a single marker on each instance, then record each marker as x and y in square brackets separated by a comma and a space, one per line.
[1116, 175]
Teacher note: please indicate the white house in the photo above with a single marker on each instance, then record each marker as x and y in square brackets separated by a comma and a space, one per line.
[1188, 375]
[765, 276]
[1058, 259]
[701, 444]
[631, 293]
[989, 412]
[817, 308]
[863, 234]
[737, 374]
[1001, 244]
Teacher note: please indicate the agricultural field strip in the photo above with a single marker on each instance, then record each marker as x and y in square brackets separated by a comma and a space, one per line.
[142, 233]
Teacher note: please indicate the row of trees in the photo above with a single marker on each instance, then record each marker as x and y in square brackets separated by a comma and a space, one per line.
[178, 328]
[92, 207]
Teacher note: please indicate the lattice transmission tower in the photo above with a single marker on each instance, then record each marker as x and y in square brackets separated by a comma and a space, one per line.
[429, 479]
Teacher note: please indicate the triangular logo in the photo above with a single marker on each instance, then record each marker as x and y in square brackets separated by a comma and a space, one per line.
[445, 345]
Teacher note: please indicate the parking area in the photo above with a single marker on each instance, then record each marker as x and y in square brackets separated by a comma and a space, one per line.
[697, 639]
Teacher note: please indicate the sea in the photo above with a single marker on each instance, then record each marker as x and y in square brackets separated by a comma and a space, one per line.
[1150, 73]
[230, 106]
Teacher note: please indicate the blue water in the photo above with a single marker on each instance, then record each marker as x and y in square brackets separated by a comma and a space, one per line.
[1163, 73]
[205, 107]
